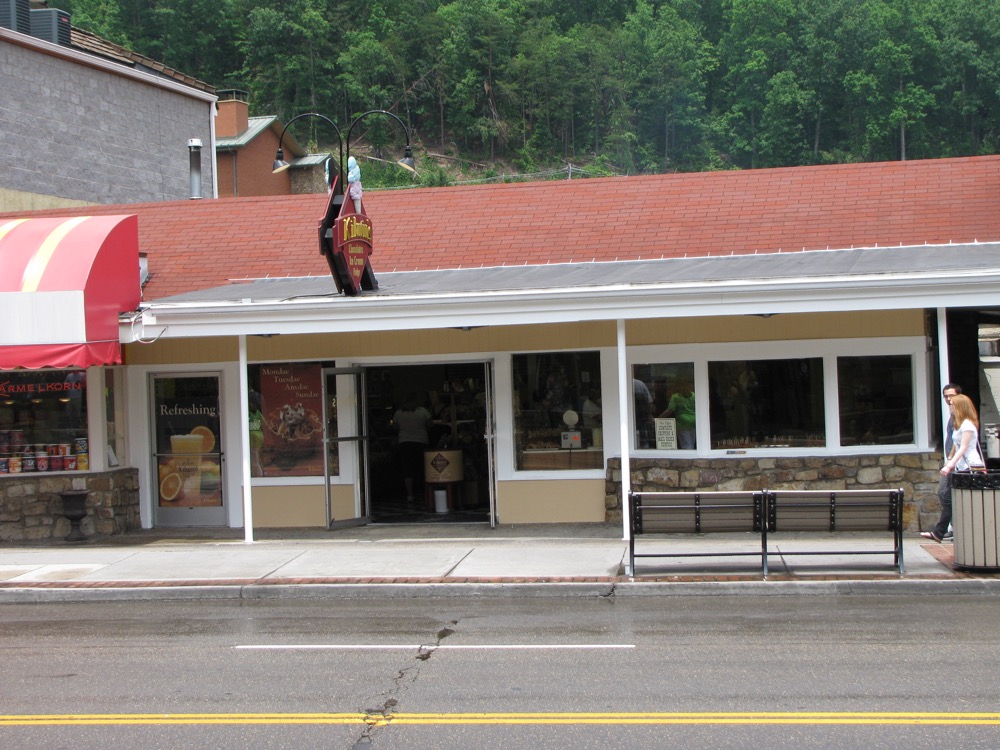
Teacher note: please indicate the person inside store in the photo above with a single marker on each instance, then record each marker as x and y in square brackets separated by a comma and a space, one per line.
[412, 422]
[591, 409]
[643, 400]
[964, 454]
[556, 399]
[681, 408]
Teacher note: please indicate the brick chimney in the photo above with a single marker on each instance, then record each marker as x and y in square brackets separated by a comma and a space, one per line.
[234, 113]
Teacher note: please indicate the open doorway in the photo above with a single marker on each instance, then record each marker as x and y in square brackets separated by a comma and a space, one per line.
[441, 473]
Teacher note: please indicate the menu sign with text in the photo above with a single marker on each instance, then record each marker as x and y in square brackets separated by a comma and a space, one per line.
[292, 406]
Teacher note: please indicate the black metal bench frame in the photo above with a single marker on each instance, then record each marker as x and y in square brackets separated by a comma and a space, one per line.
[839, 510]
[694, 511]
[771, 511]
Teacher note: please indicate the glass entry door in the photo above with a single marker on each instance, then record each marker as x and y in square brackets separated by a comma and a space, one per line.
[491, 443]
[187, 459]
[443, 473]
[346, 440]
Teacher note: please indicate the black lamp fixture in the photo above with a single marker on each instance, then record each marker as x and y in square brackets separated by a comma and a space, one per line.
[280, 165]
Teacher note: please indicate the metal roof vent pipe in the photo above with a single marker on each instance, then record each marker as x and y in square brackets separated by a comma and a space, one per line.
[194, 148]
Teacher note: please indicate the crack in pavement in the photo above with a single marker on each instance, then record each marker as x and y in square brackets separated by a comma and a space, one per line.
[381, 717]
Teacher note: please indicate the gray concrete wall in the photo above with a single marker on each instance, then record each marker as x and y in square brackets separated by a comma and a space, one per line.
[85, 134]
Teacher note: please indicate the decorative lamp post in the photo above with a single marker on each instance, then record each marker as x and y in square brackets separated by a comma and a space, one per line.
[280, 165]
[345, 232]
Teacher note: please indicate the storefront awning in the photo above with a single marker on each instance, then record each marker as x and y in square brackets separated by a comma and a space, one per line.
[63, 283]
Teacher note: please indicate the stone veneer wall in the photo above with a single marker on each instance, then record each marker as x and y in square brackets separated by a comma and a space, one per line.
[31, 509]
[916, 473]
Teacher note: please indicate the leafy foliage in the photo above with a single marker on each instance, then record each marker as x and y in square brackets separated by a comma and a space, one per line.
[625, 85]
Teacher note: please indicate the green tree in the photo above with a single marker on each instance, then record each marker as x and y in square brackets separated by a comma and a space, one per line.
[819, 69]
[98, 17]
[666, 63]
[970, 75]
[600, 68]
[546, 85]
[289, 60]
[782, 138]
[756, 45]
[894, 48]
[476, 52]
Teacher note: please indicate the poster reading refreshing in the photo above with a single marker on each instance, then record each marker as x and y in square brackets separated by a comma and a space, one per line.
[189, 461]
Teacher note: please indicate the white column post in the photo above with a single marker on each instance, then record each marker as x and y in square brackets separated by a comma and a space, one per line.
[245, 444]
[943, 372]
[624, 393]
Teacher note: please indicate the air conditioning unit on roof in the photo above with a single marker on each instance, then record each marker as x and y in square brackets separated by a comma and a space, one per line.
[52, 25]
[15, 15]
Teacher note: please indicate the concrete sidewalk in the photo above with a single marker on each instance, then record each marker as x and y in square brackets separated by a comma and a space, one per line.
[455, 560]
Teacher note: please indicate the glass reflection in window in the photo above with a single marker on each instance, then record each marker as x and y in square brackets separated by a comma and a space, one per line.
[43, 413]
[876, 400]
[767, 403]
[664, 406]
[557, 411]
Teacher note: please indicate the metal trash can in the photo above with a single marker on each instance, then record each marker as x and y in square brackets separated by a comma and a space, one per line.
[975, 504]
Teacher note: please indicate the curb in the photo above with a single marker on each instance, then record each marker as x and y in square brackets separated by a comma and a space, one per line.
[607, 588]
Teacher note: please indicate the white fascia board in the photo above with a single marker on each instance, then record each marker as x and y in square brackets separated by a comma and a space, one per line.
[703, 299]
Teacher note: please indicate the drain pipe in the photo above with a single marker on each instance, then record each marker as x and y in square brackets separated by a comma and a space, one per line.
[194, 149]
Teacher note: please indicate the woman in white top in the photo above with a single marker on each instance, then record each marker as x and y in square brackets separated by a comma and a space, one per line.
[965, 452]
[965, 439]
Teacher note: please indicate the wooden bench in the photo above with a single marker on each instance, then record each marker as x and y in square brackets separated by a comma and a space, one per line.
[764, 512]
[696, 513]
[839, 510]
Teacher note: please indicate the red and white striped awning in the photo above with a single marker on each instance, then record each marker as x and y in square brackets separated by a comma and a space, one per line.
[63, 283]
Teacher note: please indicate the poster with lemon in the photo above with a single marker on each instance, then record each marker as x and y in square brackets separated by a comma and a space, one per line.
[191, 474]
[188, 448]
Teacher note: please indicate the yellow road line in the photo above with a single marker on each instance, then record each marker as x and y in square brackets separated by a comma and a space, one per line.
[763, 718]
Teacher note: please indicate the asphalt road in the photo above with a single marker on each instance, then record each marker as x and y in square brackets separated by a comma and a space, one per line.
[641, 672]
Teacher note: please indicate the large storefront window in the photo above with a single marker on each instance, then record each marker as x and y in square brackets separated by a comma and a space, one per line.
[768, 403]
[664, 406]
[876, 400]
[286, 420]
[557, 411]
[739, 403]
[43, 421]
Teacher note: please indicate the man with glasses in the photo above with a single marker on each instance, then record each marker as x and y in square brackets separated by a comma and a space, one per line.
[941, 531]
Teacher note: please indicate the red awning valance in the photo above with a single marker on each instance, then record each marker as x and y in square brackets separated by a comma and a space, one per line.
[63, 283]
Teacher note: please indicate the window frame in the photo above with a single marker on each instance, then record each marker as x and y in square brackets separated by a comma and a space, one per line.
[509, 431]
[828, 350]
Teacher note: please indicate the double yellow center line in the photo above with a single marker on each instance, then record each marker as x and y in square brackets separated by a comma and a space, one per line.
[550, 718]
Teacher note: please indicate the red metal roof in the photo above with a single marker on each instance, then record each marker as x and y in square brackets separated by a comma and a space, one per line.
[205, 243]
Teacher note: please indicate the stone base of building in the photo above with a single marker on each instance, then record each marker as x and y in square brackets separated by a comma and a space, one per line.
[31, 509]
[915, 473]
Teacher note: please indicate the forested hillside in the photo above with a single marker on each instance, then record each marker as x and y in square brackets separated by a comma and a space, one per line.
[623, 86]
